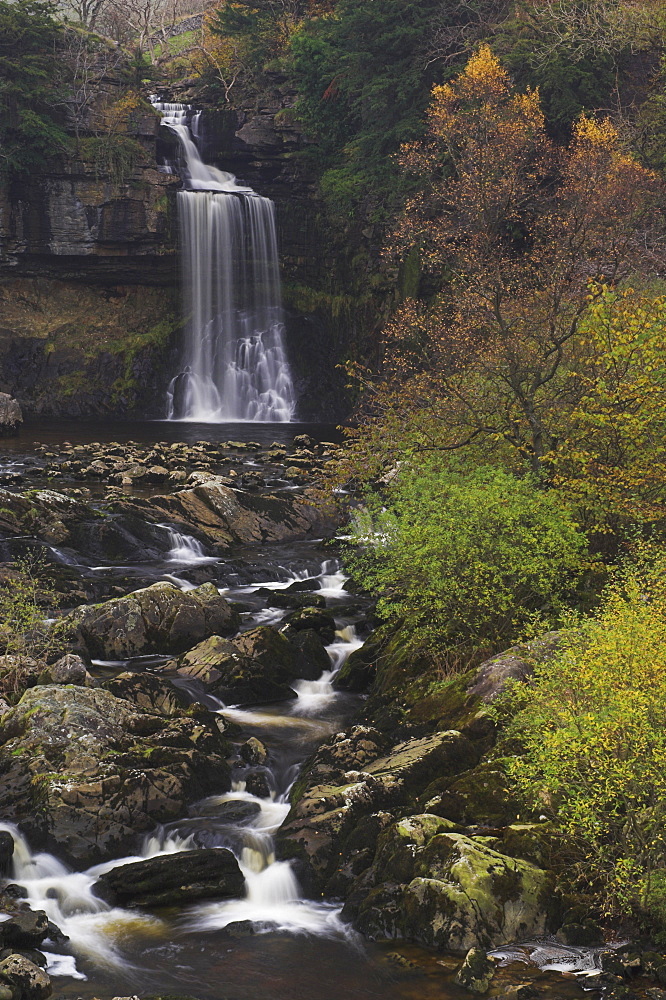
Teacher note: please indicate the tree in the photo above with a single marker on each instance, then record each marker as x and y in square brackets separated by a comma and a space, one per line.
[520, 237]
[31, 127]
[462, 557]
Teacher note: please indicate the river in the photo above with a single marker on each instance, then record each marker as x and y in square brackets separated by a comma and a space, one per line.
[274, 942]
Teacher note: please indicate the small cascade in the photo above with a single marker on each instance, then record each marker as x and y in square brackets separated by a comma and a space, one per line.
[235, 365]
[314, 696]
[67, 897]
[185, 550]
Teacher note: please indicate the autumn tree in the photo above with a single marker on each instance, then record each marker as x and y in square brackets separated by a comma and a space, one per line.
[520, 237]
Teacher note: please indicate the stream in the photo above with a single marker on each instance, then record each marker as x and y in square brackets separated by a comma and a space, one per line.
[273, 942]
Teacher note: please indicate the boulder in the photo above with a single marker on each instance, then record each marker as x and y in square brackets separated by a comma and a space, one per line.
[254, 752]
[207, 661]
[29, 981]
[173, 879]
[313, 658]
[158, 619]
[148, 693]
[463, 894]
[476, 972]
[514, 664]
[84, 772]
[69, 669]
[11, 417]
[318, 620]
[25, 929]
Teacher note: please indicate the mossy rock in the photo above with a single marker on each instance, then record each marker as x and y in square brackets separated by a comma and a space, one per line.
[463, 895]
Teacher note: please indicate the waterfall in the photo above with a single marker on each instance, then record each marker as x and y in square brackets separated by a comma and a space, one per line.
[235, 365]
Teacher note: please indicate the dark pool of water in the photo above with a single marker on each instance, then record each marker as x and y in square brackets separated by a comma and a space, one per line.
[149, 431]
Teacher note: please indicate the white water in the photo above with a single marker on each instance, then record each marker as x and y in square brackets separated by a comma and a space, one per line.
[185, 550]
[235, 365]
[273, 899]
[96, 930]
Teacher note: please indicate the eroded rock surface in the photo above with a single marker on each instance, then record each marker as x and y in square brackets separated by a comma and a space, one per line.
[158, 619]
[84, 772]
[170, 881]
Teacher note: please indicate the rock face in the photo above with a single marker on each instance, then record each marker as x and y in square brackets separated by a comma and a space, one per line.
[159, 619]
[173, 880]
[462, 893]
[83, 772]
[257, 667]
[348, 780]
[10, 414]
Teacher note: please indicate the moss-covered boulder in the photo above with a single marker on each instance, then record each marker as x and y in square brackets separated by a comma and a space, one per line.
[157, 619]
[350, 777]
[476, 972]
[84, 772]
[463, 895]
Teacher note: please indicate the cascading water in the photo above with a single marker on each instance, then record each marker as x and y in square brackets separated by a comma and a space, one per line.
[235, 365]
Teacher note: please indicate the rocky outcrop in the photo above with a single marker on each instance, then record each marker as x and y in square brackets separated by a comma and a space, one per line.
[173, 880]
[461, 894]
[348, 780]
[226, 517]
[10, 414]
[84, 772]
[158, 619]
[258, 667]
[132, 530]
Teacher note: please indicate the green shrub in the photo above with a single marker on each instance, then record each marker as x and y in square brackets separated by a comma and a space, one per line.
[465, 557]
[593, 728]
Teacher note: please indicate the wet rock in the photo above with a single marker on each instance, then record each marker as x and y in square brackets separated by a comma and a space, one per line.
[254, 752]
[158, 619]
[476, 972]
[258, 783]
[84, 772]
[26, 977]
[240, 929]
[11, 417]
[25, 929]
[234, 812]
[316, 619]
[148, 693]
[359, 669]
[283, 599]
[6, 851]
[173, 880]
[463, 895]
[314, 659]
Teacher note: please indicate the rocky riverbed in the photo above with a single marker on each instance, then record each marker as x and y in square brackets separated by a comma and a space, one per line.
[214, 755]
